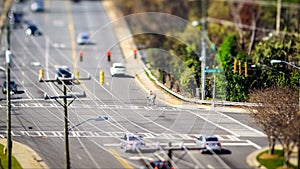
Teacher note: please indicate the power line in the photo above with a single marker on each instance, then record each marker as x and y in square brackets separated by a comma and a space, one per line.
[244, 26]
[265, 3]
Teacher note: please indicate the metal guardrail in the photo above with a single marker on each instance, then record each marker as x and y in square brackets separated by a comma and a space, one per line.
[193, 100]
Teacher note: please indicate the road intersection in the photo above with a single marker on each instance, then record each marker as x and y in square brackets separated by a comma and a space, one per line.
[95, 144]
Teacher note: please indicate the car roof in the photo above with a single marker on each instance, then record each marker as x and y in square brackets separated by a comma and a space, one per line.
[133, 134]
[83, 34]
[118, 64]
[208, 136]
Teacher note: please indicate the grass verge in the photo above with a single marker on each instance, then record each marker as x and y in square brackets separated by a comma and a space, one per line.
[272, 161]
[3, 163]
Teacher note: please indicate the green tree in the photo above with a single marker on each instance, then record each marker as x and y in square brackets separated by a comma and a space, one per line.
[236, 83]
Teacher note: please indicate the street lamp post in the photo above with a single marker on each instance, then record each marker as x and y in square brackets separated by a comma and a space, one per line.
[296, 67]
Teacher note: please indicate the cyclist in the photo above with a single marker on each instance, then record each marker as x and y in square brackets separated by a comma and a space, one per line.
[152, 97]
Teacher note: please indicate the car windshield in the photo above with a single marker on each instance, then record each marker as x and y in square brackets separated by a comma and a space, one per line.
[212, 139]
[85, 37]
[64, 72]
[134, 137]
[12, 83]
[32, 27]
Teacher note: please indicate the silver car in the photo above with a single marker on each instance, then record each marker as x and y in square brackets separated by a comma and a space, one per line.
[132, 141]
[83, 38]
[209, 143]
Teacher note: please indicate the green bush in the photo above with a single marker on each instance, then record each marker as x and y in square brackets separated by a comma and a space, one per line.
[272, 163]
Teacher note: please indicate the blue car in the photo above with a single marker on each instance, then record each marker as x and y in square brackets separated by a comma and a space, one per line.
[13, 87]
[65, 73]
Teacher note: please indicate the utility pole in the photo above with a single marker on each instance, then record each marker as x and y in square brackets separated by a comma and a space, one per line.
[203, 48]
[9, 142]
[8, 59]
[65, 104]
[278, 17]
[66, 119]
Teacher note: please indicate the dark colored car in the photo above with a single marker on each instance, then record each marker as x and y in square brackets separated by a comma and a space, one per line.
[161, 165]
[64, 72]
[16, 18]
[32, 30]
[13, 87]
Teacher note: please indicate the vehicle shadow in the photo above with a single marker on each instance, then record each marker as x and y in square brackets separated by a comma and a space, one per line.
[142, 151]
[222, 152]
[124, 76]
[20, 92]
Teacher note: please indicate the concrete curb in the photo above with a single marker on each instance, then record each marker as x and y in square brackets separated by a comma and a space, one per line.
[251, 159]
[25, 155]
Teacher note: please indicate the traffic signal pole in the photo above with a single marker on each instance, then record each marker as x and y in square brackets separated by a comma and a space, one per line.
[65, 105]
[8, 99]
[67, 150]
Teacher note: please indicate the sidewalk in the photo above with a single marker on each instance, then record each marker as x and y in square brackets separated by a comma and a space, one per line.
[135, 68]
[25, 155]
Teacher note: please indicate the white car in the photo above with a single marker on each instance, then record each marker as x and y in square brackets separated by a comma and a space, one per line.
[132, 141]
[83, 38]
[209, 143]
[117, 69]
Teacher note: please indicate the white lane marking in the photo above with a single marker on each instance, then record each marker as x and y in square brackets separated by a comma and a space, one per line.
[224, 165]
[248, 127]
[79, 157]
[210, 166]
[112, 145]
[213, 123]
[253, 144]
[231, 137]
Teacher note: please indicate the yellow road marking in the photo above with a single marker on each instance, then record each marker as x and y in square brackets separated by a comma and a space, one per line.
[88, 92]
[72, 35]
[123, 162]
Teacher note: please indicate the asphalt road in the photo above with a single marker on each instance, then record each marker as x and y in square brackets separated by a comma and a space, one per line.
[95, 144]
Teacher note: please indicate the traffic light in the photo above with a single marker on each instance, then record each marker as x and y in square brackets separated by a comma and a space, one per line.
[76, 76]
[240, 67]
[101, 77]
[246, 69]
[234, 65]
[108, 55]
[41, 75]
[134, 52]
[81, 56]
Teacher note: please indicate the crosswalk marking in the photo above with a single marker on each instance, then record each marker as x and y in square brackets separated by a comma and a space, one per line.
[85, 106]
[112, 134]
[185, 144]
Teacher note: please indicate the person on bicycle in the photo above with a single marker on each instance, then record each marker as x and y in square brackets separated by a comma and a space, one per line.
[152, 97]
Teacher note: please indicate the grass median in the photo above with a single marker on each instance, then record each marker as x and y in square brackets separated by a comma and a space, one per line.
[274, 161]
[3, 163]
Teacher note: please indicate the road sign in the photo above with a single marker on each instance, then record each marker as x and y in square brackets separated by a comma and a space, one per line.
[212, 70]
